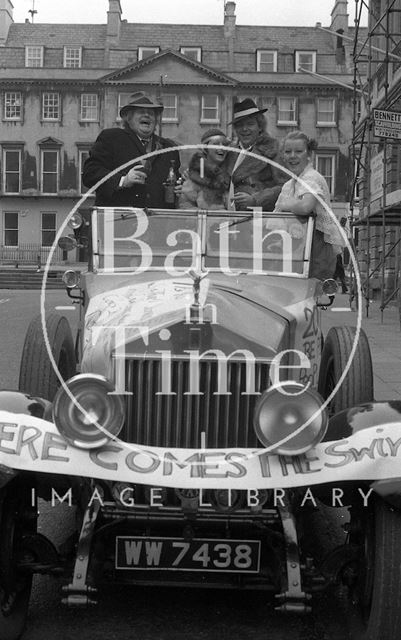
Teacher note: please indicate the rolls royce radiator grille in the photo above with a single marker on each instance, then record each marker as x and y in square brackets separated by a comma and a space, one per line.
[180, 419]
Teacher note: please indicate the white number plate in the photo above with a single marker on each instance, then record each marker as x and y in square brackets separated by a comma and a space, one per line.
[176, 554]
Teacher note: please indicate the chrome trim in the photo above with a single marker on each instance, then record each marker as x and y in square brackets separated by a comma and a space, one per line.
[179, 420]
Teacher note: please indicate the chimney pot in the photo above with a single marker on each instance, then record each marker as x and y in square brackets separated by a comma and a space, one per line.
[229, 20]
[229, 8]
[339, 16]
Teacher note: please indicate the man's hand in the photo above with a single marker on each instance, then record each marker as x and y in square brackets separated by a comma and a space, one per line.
[136, 175]
[243, 201]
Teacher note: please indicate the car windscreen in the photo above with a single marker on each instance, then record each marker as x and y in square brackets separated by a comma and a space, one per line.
[272, 243]
[134, 239]
[138, 240]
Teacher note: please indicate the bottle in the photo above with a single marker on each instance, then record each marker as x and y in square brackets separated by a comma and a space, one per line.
[169, 185]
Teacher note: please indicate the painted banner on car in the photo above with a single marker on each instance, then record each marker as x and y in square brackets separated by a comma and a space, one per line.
[29, 443]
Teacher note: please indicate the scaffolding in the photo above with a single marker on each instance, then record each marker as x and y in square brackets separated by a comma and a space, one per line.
[374, 150]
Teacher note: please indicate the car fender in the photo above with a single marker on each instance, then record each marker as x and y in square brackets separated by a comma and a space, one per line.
[365, 416]
[21, 403]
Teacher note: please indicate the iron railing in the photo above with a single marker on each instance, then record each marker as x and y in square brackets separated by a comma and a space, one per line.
[29, 253]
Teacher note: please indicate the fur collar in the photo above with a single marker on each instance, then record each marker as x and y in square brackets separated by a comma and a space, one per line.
[216, 178]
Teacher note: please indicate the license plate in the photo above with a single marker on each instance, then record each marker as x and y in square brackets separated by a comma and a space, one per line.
[176, 554]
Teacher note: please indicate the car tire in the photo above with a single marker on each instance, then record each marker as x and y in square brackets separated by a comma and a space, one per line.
[37, 376]
[17, 520]
[357, 386]
[376, 590]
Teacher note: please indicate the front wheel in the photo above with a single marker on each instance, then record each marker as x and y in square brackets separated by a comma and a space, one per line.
[357, 386]
[377, 585]
[37, 375]
[17, 524]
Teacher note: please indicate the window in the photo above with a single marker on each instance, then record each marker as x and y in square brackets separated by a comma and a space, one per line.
[34, 56]
[306, 60]
[11, 170]
[146, 52]
[12, 105]
[325, 164]
[195, 53]
[89, 107]
[83, 155]
[326, 112]
[10, 229]
[266, 61]
[210, 109]
[48, 229]
[49, 171]
[287, 111]
[73, 57]
[50, 106]
[123, 98]
[170, 111]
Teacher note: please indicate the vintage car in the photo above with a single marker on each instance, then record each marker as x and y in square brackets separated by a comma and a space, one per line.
[194, 418]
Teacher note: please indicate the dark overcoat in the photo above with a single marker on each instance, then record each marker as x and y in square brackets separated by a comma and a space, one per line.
[258, 177]
[113, 148]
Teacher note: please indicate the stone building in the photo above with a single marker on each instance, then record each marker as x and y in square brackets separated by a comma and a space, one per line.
[60, 84]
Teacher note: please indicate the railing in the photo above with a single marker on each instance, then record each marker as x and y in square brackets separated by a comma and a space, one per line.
[29, 254]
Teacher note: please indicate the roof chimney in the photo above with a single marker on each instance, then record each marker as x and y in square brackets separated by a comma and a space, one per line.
[114, 19]
[339, 16]
[229, 20]
[229, 30]
[6, 19]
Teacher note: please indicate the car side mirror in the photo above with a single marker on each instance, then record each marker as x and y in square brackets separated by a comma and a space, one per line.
[67, 243]
[329, 287]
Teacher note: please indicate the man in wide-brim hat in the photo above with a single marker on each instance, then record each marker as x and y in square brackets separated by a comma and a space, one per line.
[141, 184]
[254, 182]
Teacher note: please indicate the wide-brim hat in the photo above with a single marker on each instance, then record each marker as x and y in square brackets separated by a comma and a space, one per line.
[140, 100]
[245, 108]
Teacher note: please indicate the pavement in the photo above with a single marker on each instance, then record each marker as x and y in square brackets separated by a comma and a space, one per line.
[384, 335]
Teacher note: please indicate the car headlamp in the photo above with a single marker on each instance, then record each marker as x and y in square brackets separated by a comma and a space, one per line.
[88, 414]
[286, 409]
[75, 220]
[71, 278]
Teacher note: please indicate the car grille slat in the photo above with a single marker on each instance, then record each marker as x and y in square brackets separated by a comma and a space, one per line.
[239, 402]
[179, 420]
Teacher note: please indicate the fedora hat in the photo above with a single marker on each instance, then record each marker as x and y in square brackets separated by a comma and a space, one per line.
[138, 100]
[244, 108]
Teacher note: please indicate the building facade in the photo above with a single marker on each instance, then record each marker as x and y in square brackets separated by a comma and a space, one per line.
[60, 85]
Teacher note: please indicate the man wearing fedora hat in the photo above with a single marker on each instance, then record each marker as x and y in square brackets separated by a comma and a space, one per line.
[254, 182]
[139, 184]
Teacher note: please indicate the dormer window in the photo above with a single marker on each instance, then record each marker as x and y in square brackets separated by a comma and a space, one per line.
[147, 52]
[72, 57]
[266, 61]
[305, 60]
[195, 53]
[34, 56]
